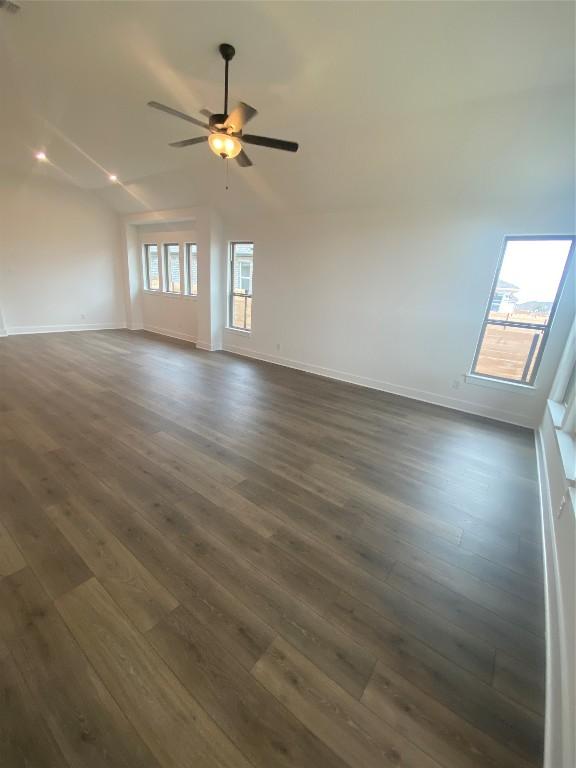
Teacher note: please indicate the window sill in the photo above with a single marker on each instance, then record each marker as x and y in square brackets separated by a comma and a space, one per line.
[566, 442]
[170, 295]
[557, 411]
[485, 381]
[241, 331]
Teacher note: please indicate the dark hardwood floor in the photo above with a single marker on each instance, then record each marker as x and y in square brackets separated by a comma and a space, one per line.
[206, 561]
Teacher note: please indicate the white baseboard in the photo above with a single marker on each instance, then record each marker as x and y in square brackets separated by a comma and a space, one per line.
[172, 334]
[385, 386]
[19, 330]
[207, 347]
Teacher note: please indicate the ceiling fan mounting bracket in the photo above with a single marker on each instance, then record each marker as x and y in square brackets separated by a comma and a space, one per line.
[227, 51]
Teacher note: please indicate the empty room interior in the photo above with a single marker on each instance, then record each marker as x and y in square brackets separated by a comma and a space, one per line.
[287, 384]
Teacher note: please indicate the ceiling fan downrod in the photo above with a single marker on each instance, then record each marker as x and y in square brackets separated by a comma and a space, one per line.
[227, 52]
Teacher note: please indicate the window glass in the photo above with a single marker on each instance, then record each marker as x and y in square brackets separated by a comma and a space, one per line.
[528, 281]
[151, 267]
[521, 308]
[172, 278]
[241, 272]
[191, 269]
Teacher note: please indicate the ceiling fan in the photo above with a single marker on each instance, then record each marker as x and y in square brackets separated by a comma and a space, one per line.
[225, 130]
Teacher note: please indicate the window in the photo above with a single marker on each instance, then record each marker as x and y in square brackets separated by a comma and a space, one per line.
[191, 269]
[568, 396]
[522, 304]
[568, 423]
[240, 299]
[172, 283]
[151, 267]
[562, 408]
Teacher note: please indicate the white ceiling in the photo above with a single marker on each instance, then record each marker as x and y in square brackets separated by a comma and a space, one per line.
[388, 100]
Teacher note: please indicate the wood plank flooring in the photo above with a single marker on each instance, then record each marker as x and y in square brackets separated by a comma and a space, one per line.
[211, 562]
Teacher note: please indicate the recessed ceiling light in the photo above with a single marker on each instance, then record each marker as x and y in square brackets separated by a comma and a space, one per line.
[41, 156]
[113, 178]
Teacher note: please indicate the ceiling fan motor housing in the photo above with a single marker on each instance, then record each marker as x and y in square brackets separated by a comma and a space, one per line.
[216, 122]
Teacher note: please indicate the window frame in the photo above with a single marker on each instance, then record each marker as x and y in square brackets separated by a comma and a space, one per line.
[146, 267]
[568, 423]
[166, 271]
[187, 281]
[230, 303]
[529, 382]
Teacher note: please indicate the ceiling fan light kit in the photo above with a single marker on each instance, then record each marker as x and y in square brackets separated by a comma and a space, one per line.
[225, 130]
[224, 145]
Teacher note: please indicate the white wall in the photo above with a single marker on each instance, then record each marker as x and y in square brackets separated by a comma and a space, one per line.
[556, 449]
[60, 263]
[393, 299]
[559, 532]
[169, 314]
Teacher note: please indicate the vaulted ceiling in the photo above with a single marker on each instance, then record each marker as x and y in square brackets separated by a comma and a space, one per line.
[389, 101]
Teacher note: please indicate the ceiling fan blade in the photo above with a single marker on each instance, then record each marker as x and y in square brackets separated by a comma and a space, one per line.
[189, 142]
[177, 113]
[9, 6]
[243, 159]
[239, 116]
[265, 141]
[206, 112]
